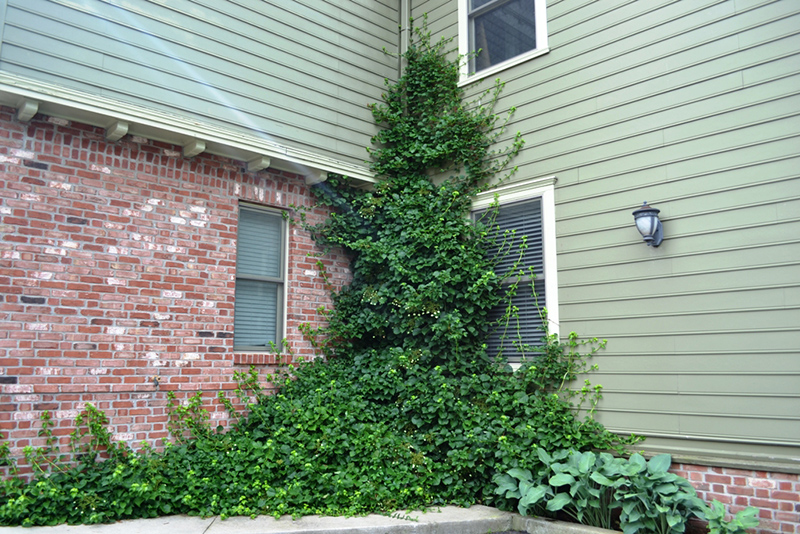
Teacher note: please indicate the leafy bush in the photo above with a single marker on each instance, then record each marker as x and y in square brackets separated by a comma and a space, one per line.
[743, 520]
[589, 487]
[407, 410]
[654, 499]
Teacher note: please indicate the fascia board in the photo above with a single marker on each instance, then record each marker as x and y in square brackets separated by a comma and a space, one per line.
[153, 124]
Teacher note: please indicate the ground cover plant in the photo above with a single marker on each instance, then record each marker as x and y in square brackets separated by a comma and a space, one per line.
[404, 409]
[601, 490]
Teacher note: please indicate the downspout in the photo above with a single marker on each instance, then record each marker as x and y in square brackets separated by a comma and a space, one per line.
[405, 18]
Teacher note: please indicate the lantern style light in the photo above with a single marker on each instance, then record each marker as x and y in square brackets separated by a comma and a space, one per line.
[649, 225]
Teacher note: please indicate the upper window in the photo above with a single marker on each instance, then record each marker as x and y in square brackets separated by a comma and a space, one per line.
[505, 32]
[258, 307]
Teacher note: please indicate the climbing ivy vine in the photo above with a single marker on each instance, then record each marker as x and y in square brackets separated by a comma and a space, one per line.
[423, 281]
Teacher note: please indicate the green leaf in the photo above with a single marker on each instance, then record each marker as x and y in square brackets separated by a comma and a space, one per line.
[543, 456]
[558, 502]
[636, 464]
[587, 461]
[601, 479]
[504, 484]
[666, 489]
[659, 464]
[520, 474]
[533, 496]
[561, 479]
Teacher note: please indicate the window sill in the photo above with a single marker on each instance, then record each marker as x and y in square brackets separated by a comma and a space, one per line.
[256, 358]
[467, 79]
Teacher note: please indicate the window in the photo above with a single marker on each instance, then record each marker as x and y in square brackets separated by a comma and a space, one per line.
[530, 212]
[505, 31]
[258, 307]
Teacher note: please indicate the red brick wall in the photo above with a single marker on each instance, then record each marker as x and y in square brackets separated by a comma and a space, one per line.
[776, 495]
[117, 266]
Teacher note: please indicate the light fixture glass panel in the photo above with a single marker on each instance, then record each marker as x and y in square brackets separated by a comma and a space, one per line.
[646, 224]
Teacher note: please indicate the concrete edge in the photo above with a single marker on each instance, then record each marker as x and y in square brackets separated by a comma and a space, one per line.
[540, 525]
[441, 520]
[476, 519]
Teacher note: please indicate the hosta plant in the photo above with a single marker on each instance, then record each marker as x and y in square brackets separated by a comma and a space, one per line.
[655, 500]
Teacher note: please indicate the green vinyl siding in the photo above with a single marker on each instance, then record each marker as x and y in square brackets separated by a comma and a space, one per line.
[694, 107]
[298, 73]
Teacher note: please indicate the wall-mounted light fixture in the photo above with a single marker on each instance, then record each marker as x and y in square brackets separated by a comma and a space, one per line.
[649, 225]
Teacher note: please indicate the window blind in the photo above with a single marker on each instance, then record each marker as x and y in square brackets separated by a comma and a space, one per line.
[259, 279]
[525, 219]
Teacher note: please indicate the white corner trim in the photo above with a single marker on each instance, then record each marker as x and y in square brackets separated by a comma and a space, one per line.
[550, 257]
[97, 110]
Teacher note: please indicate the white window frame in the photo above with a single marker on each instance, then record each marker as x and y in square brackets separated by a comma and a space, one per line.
[540, 9]
[284, 279]
[543, 188]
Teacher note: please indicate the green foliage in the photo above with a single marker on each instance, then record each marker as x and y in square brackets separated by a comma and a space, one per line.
[407, 410]
[743, 520]
[588, 487]
[654, 499]
[582, 485]
[422, 280]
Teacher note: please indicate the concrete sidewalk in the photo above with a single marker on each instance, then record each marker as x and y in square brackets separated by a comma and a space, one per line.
[446, 520]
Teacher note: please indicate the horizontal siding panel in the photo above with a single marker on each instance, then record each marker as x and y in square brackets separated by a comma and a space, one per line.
[762, 385]
[736, 108]
[659, 343]
[692, 217]
[689, 406]
[560, 110]
[769, 299]
[719, 146]
[691, 285]
[218, 73]
[625, 367]
[615, 58]
[691, 252]
[752, 429]
[576, 206]
[754, 258]
[230, 106]
[690, 324]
